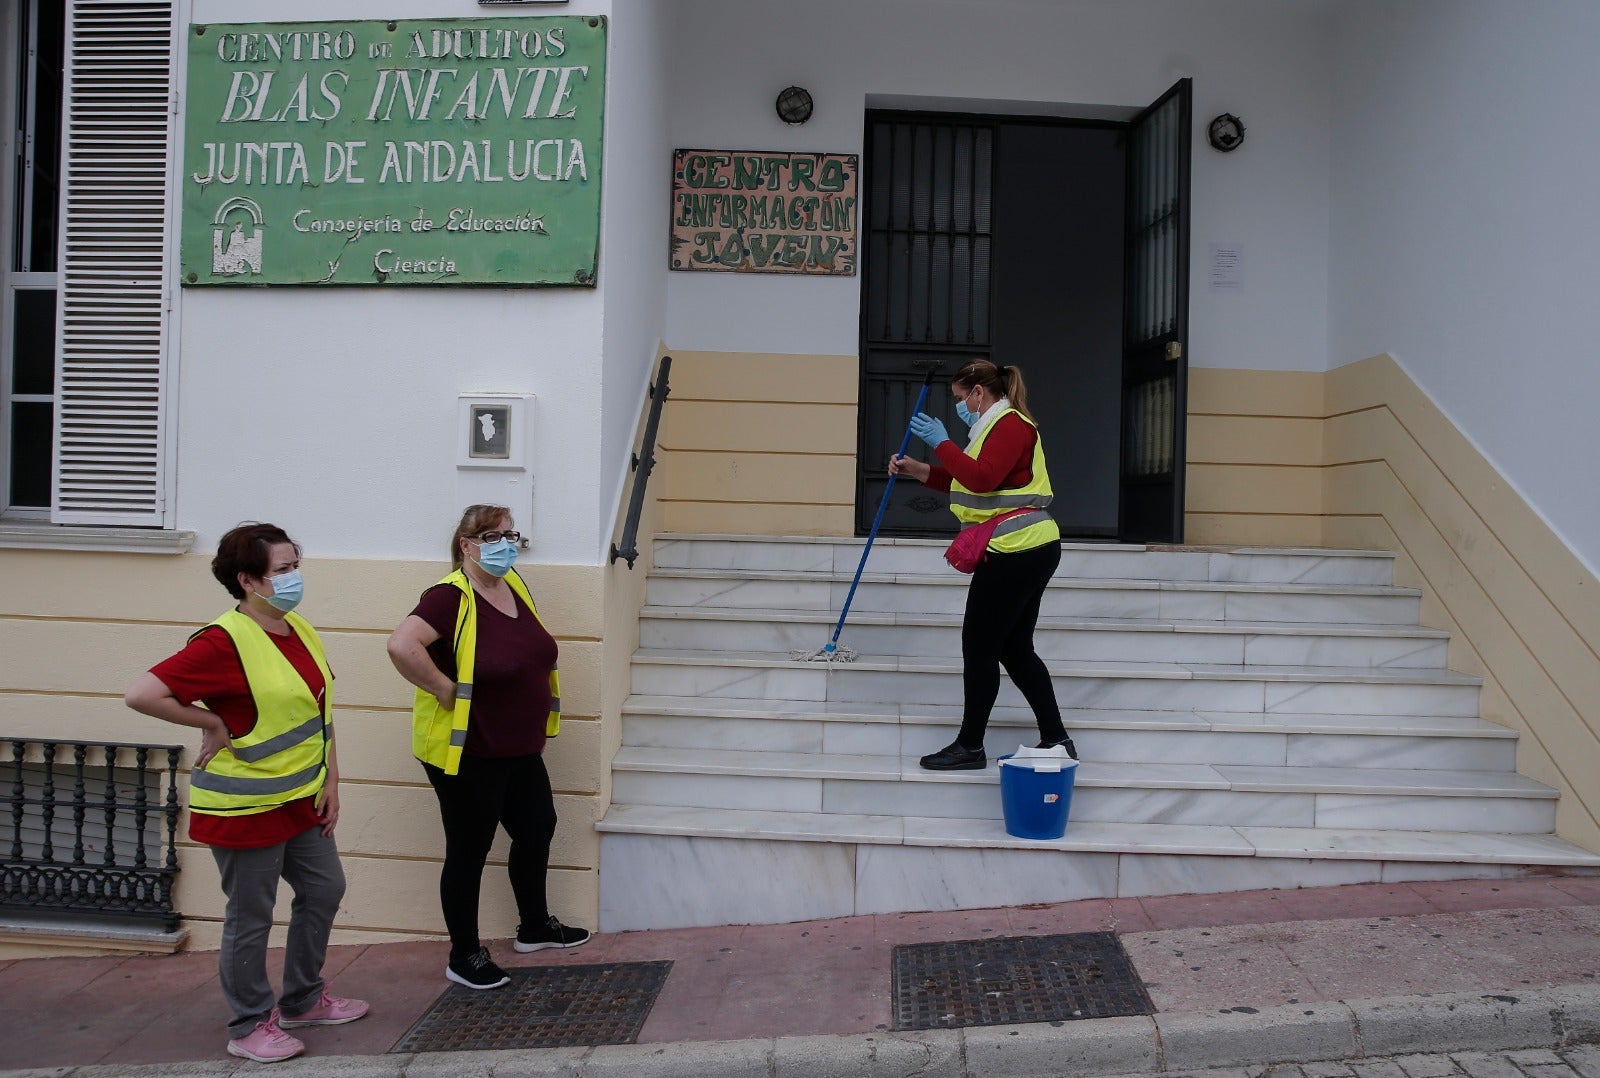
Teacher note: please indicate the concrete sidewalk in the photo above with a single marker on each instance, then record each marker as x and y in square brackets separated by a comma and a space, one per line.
[1237, 980]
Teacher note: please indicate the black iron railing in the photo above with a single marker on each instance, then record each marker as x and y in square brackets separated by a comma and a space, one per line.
[93, 829]
[643, 462]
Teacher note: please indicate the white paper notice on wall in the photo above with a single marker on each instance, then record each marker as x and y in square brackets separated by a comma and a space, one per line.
[1227, 267]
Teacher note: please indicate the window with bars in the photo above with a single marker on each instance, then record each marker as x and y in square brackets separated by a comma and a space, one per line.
[84, 298]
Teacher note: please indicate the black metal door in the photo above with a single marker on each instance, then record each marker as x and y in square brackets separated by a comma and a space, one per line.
[1155, 368]
[926, 255]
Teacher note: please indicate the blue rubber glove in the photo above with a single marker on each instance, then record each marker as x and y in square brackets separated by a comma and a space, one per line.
[929, 429]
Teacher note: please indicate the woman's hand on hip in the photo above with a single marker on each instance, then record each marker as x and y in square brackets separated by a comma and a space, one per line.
[212, 741]
[916, 469]
[446, 697]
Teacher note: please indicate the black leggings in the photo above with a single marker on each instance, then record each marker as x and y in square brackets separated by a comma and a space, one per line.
[1002, 608]
[487, 793]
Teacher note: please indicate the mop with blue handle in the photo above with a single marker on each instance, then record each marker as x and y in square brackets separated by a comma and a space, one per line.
[833, 651]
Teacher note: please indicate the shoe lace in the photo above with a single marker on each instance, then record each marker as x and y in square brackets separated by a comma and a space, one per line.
[479, 960]
[271, 1029]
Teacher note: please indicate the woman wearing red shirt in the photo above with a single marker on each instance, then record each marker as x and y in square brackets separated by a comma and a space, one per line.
[264, 790]
[1003, 470]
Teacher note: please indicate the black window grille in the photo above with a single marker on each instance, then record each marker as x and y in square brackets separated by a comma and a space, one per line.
[93, 830]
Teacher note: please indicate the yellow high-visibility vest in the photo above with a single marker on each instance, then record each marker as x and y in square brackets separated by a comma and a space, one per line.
[437, 735]
[285, 757]
[1025, 530]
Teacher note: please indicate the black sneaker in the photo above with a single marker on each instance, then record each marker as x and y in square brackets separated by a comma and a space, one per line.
[1064, 742]
[550, 934]
[477, 971]
[956, 757]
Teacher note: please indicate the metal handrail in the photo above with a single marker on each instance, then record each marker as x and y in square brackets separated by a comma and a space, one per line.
[643, 462]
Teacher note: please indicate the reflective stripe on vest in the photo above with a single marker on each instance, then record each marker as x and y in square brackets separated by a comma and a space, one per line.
[1026, 530]
[284, 756]
[437, 735]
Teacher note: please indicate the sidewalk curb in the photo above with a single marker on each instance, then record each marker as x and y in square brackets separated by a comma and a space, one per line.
[1163, 1043]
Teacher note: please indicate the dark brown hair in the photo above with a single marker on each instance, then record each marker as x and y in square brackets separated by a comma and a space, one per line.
[474, 520]
[999, 381]
[247, 549]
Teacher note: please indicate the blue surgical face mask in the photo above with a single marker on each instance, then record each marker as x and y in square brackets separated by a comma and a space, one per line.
[496, 559]
[964, 413]
[287, 591]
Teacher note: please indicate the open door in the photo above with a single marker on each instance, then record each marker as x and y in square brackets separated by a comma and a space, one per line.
[1155, 327]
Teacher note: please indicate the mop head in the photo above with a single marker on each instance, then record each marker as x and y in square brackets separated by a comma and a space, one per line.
[828, 653]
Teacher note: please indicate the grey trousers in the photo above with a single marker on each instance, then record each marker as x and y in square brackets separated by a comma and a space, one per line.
[310, 863]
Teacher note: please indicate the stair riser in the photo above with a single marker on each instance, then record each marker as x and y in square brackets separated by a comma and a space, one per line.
[981, 800]
[1101, 563]
[844, 879]
[847, 683]
[1060, 600]
[1076, 644]
[911, 740]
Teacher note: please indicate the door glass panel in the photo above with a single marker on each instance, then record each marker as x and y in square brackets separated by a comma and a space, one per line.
[1147, 429]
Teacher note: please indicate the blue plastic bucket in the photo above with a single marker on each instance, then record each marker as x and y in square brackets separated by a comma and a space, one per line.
[1036, 802]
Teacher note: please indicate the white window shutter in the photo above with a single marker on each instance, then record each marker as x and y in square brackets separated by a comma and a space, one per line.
[116, 217]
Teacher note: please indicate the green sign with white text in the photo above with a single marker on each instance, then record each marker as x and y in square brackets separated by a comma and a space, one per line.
[412, 152]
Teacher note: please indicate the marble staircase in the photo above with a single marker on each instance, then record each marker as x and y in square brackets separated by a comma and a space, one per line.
[1246, 718]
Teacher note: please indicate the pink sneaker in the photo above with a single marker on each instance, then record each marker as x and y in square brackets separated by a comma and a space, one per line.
[267, 1043]
[327, 1011]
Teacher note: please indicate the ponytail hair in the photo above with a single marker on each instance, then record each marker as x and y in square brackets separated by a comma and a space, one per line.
[998, 380]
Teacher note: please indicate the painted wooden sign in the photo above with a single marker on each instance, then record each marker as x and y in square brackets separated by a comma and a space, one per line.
[756, 211]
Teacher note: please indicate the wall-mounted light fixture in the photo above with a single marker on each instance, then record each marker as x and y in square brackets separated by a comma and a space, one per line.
[1226, 133]
[794, 105]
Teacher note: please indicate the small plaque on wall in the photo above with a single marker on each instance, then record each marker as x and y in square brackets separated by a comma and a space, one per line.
[493, 431]
[761, 211]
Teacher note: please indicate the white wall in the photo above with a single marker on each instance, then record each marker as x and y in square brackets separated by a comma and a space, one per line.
[1465, 227]
[1264, 60]
[633, 238]
[333, 412]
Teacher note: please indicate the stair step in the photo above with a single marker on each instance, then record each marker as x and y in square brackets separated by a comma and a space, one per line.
[1190, 793]
[1144, 686]
[1080, 639]
[1088, 836]
[1448, 743]
[1076, 718]
[1101, 773]
[1078, 560]
[945, 593]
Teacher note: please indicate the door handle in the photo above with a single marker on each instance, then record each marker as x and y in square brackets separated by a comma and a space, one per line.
[928, 364]
[1174, 351]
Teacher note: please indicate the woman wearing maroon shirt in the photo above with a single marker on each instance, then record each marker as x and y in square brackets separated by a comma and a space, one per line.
[1001, 475]
[264, 791]
[494, 775]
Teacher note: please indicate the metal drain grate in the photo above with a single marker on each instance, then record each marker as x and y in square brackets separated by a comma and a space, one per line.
[543, 1007]
[1015, 979]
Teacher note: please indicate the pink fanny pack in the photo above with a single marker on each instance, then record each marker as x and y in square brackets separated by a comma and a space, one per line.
[972, 545]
